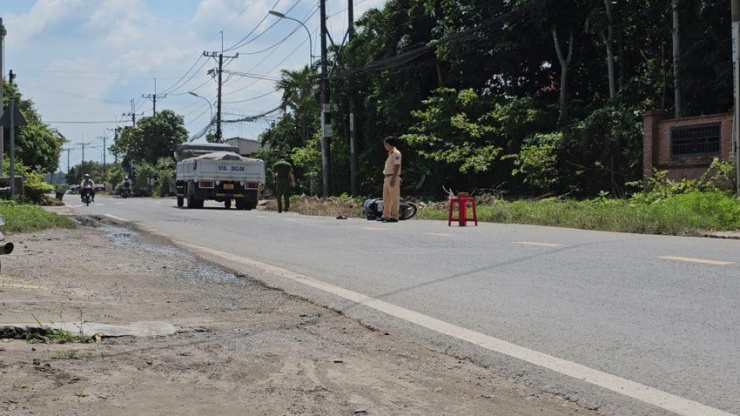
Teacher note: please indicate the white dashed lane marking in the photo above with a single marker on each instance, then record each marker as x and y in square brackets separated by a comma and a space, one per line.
[533, 243]
[695, 260]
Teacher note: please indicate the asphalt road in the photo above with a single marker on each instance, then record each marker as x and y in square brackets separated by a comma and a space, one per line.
[652, 323]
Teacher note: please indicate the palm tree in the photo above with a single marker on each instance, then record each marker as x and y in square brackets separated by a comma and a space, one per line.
[300, 95]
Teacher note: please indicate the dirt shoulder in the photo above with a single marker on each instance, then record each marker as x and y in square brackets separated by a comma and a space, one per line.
[240, 348]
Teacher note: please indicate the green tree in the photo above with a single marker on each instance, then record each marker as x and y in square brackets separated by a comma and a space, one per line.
[76, 172]
[37, 145]
[153, 138]
[300, 98]
[507, 86]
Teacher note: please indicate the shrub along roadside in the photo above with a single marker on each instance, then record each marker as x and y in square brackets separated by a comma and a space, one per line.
[21, 218]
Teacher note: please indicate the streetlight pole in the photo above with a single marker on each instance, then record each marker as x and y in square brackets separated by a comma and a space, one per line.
[310, 40]
[209, 105]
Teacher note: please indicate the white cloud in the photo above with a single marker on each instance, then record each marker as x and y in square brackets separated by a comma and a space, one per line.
[85, 60]
[120, 22]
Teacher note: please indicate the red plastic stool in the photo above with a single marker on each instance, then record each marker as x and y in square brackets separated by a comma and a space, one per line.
[462, 200]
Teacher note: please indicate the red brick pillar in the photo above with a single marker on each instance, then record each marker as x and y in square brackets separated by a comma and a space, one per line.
[650, 138]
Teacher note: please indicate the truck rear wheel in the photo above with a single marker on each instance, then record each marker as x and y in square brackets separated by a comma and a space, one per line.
[180, 201]
[241, 203]
[251, 200]
[191, 200]
[227, 203]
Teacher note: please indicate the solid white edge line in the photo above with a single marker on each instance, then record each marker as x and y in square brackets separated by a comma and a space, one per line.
[116, 218]
[658, 398]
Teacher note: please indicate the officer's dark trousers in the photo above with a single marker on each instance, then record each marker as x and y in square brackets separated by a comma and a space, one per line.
[283, 192]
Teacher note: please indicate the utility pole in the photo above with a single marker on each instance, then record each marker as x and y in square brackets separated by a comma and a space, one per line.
[105, 172]
[68, 149]
[132, 114]
[677, 81]
[325, 108]
[82, 164]
[2, 73]
[220, 56]
[11, 116]
[115, 140]
[351, 96]
[735, 9]
[153, 97]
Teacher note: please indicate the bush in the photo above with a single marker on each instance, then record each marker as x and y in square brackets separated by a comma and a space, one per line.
[35, 189]
[61, 188]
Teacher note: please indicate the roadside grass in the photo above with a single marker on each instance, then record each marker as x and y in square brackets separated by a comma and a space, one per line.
[685, 214]
[22, 218]
[47, 334]
[330, 207]
[691, 213]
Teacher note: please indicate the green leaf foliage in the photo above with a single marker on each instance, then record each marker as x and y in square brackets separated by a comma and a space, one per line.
[153, 138]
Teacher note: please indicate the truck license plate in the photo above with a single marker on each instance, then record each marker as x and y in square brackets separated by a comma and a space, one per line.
[229, 186]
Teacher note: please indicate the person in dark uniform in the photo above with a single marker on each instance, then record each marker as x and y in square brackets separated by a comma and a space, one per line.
[284, 180]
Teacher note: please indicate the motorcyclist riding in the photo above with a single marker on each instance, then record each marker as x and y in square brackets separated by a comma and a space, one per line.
[88, 184]
[126, 187]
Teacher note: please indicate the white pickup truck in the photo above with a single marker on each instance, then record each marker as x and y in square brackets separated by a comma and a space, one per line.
[222, 175]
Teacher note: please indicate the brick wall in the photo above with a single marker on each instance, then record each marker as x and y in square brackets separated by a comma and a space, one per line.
[656, 133]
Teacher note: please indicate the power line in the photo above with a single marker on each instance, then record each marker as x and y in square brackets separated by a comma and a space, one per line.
[253, 118]
[488, 26]
[243, 41]
[154, 97]
[250, 99]
[175, 85]
[132, 113]
[79, 122]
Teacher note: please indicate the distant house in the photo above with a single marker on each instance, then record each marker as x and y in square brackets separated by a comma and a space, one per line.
[246, 146]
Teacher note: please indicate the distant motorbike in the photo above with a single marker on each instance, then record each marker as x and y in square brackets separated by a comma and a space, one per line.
[125, 192]
[86, 195]
[373, 208]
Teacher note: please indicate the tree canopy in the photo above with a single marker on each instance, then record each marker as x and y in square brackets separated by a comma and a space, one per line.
[527, 96]
[37, 145]
[153, 138]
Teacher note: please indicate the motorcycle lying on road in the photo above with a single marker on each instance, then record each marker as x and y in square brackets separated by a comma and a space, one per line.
[373, 208]
[6, 247]
[86, 195]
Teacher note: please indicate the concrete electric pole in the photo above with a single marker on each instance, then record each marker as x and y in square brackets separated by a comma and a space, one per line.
[133, 114]
[736, 87]
[2, 73]
[325, 107]
[351, 97]
[220, 56]
[153, 97]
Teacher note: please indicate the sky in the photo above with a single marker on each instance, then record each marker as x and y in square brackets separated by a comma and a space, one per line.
[89, 64]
